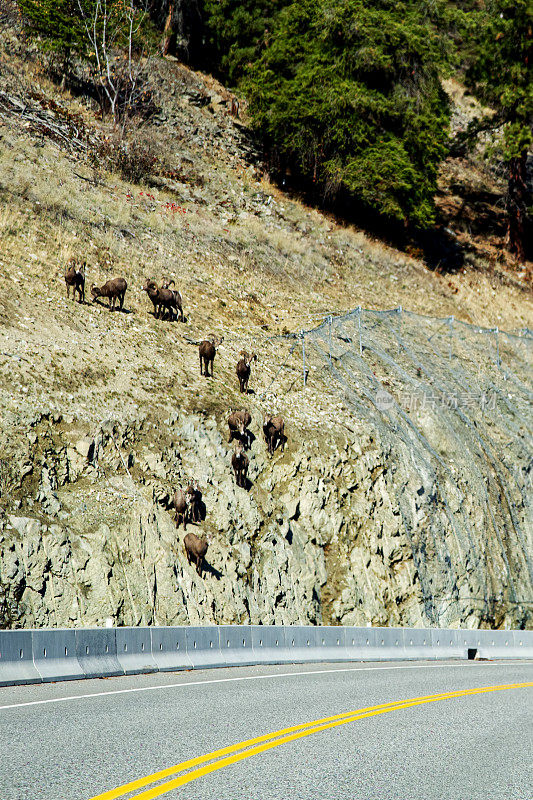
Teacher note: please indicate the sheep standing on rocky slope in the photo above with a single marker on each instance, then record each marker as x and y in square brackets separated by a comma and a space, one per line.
[195, 501]
[208, 350]
[238, 422]
[177, 297]
[182, 508]
[164, 300]
[274, 432]
[243, 370]
[114, 289]
[240, 463]
[195, 550]
[75, 277]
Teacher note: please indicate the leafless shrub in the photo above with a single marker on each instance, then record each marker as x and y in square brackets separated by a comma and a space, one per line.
[133, 160]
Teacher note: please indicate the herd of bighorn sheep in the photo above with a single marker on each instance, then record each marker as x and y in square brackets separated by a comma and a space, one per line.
[188, 504]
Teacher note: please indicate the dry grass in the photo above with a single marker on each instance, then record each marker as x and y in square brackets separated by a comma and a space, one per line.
[249, 261]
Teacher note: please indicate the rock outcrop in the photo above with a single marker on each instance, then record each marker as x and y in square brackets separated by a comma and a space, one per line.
[88, 533]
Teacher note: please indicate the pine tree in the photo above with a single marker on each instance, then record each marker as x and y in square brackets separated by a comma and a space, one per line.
[238, 30]
[57, 24]
[502, 72]
[348, 96]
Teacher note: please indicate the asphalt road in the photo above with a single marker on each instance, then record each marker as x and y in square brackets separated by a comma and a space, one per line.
[57, 742]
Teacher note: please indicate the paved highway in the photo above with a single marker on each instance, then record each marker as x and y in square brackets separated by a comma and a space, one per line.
[90, 739]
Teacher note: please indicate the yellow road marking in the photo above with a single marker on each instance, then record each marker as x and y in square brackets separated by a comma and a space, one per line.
[246, 749]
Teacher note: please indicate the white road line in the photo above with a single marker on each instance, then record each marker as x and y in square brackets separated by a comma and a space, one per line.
[258, 678]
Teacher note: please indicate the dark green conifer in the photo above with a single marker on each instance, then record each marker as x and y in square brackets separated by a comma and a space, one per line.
[348, 95]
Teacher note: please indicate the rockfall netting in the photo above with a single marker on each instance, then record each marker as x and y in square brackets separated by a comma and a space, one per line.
[450, 404]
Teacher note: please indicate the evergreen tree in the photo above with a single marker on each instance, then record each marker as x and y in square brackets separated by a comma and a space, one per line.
[57, 24]
[347, 94]
[238, 30]
[502, 72]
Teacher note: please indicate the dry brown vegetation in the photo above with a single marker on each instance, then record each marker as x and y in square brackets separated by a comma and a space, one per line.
[249, 261]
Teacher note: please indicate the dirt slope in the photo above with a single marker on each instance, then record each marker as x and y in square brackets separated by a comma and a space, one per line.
[250, 263]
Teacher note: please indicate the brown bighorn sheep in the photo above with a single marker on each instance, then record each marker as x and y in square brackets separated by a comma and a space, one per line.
[114, 289]
[274, 431]
[164, 300]
[240, 463]
[195, 550]
[177, 297]
[75, 277]
[243, 370]
[238, 422]
[182, 507]
[194, 494]
[208, 351]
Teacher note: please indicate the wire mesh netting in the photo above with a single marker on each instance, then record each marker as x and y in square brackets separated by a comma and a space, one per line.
[451, 406]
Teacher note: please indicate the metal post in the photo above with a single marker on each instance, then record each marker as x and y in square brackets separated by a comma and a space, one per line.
[498, 363]
[302, 334]
[359, 325]
[329, 332]
[526, 334]
[450, 322]
[399, 311]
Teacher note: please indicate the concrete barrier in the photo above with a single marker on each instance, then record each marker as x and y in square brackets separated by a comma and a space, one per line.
[54, 655]
[447, 644]
[16, 658]
[390, 643]
[134, 650]
[523, 644]
[268, 644]
[48, 655]
[96, 651]
[236, 645]
[203, 647]
[355, 643]
[376, 644]
[169, 648]
[417, 644]
[331, 643]
[302, 643]
[495, 644]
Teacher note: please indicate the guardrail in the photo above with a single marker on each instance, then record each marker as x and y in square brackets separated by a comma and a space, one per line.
[43, 655]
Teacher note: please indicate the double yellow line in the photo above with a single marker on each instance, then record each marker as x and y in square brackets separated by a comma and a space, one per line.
[251, 747]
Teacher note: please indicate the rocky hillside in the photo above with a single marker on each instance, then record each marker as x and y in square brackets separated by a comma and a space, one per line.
[104, 414]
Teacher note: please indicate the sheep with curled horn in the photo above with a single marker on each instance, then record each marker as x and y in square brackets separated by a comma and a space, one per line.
[166, 284]
[164, 300]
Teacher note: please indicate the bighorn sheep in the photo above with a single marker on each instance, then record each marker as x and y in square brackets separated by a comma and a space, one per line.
[273, 429]
[207, 351]
[195, 498]
[164, 299]
[240, 463]
[75, 277]
[113, 289]
[195, 550]
[177, 297]
[238, 422]
[243, 370]
[182, 507]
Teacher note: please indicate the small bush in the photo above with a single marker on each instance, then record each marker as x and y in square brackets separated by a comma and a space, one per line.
[134, 161]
